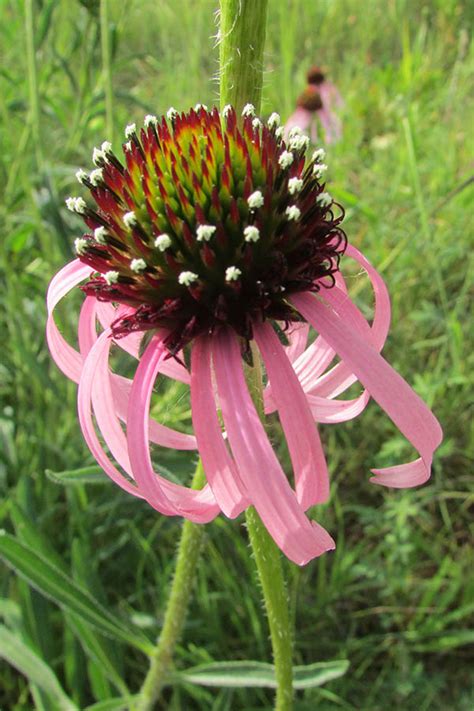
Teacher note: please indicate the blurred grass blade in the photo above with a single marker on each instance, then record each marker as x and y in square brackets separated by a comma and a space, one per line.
[259, 674]
[27, 662]
[84, 475]
[120, 704]
[60, 588]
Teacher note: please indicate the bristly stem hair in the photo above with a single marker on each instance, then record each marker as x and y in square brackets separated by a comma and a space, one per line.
[241, 43]
[107, 69]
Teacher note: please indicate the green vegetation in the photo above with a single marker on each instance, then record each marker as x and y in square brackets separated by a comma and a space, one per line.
[396, 599]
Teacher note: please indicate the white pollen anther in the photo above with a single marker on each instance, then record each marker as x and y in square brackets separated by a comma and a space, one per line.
[248, 110]
[130, 130]
[294, 185]
[280, 132]
[81, 175]
[171, 113]
[286, 159]
[162, 242]
[106, 147]
[299, 142]
[138, 265]
[293, 212]
[98, 156]
[96, 176]
[80, 245]
[324, 199]
[318, 155]
[255, 200]
[251, 233]
[319, 169]
[232, 273]
[187, 278]
[130, 219]
[256, 124]
[205, 232]
[128, 146]
[198, 107]
[273, 120]
[295, 131]
[226, 110]
[150, 120]
[111, 277]
[99, 235]
[76, 204]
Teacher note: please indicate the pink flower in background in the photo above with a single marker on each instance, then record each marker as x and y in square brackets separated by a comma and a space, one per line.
[209, 237]
[317, 102]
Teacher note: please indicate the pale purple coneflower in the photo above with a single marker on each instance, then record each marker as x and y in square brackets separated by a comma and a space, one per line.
[212, 236]
[317, 103]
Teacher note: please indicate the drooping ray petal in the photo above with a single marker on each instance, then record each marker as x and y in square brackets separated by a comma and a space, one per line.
[404, 407]
[259, 468]
[158, 433]
[221, 472]
[339, 378]
[298, 337]
[121, 386]
[130, 343]
[312, 361]
[100, 351]
[300, 118]
[66, 279]
[102, 399]
[330, 412]
[65, 356]
[198, 506]
[304, 444]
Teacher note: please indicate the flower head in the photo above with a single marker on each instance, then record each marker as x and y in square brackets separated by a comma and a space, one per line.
[214, 189]
[212, 233]
[318, 101]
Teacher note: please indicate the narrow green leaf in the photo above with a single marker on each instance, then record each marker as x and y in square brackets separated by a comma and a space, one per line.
[119, 704]
[84, 475]
[59, 587]
[247, 674]
[27, 662]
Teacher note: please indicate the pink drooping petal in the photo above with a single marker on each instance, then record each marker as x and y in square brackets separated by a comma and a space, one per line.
[131, 344]
[298, 338]
[65, 356]
[66, 279]
[260, 470]
[330, 412]
[158, 433]
[120, 387]
[330, 95]
[198, 506]
[221, 472]
[98, 353]
[304, 444]
[404, 407]
[300, 118]
[339, 378]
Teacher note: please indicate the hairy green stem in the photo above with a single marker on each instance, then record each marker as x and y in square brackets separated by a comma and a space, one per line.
[107, 69]
[268, 560]
[241, 41]
[35, 116]
[175, 614]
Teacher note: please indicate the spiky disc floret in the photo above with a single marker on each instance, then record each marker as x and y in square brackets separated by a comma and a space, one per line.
[211, 220]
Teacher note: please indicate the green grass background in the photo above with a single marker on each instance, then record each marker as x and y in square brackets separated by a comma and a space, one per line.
[397, 596]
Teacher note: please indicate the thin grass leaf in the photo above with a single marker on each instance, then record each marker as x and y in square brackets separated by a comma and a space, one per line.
[119, 704]
[248, 674]
[84, 475]
[56, 585]
[28, 663]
